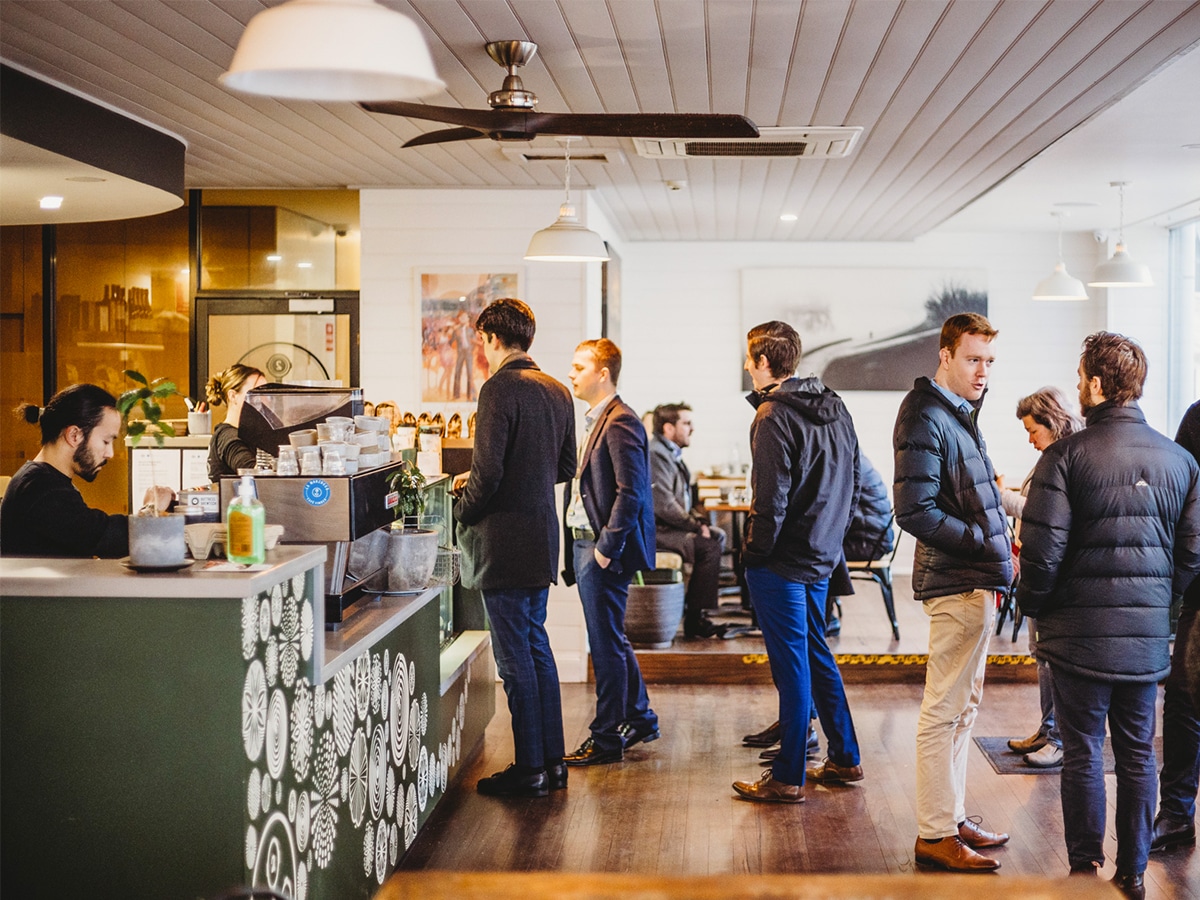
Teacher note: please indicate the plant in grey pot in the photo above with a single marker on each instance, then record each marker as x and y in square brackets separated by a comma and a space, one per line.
[412, 550]
[156, 537]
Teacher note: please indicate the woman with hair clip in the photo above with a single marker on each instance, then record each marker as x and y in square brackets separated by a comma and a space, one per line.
[1047, 418]
[43, 513]
[226, 451]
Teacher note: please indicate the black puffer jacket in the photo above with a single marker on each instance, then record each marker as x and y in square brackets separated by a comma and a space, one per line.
[804, 480]
[946, 496]
[1110, 532]
[870, 535]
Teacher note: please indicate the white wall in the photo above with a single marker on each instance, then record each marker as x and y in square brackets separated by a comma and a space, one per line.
[681, 332]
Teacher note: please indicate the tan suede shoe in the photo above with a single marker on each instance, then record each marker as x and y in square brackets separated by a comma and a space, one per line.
[768, 790]
[830, 772]
[952, 855]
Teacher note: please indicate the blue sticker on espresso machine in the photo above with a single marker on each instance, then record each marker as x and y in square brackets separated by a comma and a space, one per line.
[317, 492]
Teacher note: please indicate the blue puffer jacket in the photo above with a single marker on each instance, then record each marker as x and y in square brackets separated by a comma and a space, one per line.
[1110, 532]
[946, 497]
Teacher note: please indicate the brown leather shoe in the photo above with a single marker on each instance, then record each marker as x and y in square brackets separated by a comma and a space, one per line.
[975, 837]
[830, 772]
[952, 855]
[768, 790]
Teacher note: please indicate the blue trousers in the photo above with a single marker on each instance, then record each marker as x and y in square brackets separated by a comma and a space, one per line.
[1083, 706]
[1180, 777]
[527, 668]
[620, 691]
[792, 617]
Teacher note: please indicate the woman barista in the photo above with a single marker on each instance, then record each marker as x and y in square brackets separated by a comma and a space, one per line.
[226, 451]
[43, 513]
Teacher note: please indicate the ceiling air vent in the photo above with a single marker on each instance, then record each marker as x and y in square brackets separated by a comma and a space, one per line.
[794, 143]
[529, 154]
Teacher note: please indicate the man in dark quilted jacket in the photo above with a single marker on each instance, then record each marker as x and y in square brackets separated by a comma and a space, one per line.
[946, 497]
[1110, 535]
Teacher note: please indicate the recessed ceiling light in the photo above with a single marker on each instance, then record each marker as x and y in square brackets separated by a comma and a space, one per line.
[304, 265]
[86, 179]
[1075, 204]
[274, 257]
[788, 217]
[50, 202]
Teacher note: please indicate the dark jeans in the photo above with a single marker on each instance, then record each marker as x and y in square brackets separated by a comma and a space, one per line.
[1082, 706]
[792, 616]
[526, 666]
[620, 692]
[704, 553]
[1180, 777]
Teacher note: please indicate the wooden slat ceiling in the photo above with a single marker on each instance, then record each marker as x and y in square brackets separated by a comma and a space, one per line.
[954, 96]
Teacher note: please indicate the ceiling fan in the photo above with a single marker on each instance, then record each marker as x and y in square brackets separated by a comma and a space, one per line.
[512, 116]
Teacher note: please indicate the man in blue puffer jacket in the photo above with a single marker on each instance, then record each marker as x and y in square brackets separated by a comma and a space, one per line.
[1110, 533]
[946, 496]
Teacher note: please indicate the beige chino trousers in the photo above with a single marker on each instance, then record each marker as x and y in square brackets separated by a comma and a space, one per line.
[960, 626]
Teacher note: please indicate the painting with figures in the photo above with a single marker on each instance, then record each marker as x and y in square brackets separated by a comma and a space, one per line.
[453, 365]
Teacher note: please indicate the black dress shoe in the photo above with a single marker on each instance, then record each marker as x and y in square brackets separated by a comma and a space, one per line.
[1170, 833]
[556, 775]
[513, 783]
[589, 754]
[765, 738]
[1130, 885]
[631, 734]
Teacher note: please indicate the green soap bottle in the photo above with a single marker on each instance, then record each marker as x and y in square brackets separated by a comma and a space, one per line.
[246, 525]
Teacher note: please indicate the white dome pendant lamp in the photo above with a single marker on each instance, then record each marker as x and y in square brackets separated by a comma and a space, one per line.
[1060, 285]
[1121, 270]
[355, 50]
[567, 240]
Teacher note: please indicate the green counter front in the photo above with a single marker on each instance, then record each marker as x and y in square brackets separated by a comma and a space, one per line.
[172, 736]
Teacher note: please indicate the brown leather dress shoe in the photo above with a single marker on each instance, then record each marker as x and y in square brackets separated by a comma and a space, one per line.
[975, 837]
[830, 772]
[768, 790]
[952, 855]
[765, 738]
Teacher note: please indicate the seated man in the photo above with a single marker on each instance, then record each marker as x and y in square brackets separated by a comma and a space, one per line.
[679, 529]
[870, 536]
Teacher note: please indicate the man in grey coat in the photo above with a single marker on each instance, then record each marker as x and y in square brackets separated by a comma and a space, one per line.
[1110, 534]
[508, 530]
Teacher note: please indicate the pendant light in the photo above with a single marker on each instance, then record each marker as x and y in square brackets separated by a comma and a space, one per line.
[333, 50]
[1060, 285]
[567, 240]
[1121, 271]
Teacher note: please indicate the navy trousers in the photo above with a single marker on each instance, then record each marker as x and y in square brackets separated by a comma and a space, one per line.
[1180, 777]
[792, 617]
[620, 691]
[1082, 706]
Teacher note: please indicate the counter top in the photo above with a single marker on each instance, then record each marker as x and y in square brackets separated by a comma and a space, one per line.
[185, 442]
[32, 577]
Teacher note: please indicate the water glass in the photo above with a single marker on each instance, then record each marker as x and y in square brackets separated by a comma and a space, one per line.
[288, 463]
[310, 461]
[334, 462]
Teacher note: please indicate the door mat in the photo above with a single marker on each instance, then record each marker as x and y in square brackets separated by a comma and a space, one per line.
[1006, 762]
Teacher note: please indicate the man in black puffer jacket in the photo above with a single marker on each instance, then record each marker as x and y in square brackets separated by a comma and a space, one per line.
[946, 496]
[1110, 533]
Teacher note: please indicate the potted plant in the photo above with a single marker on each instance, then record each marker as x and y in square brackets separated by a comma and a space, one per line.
[412, 551]
[156, 537]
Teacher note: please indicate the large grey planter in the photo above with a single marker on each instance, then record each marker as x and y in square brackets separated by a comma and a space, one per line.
[157, 542]
[411, 557]
[654, 611]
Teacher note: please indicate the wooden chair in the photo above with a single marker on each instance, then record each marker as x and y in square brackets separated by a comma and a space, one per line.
[879, 570]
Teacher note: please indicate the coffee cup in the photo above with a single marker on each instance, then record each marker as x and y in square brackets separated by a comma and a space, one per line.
[199, 422]
[303, 437]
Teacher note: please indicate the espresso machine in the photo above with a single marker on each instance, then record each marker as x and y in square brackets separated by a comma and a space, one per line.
[340, 511]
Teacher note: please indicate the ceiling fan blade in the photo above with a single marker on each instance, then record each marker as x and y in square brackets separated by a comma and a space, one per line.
[659, 125]
[444, 136]
[486, 120]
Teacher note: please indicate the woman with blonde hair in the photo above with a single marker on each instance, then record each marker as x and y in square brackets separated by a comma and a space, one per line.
[226, 451]
[1047, 417]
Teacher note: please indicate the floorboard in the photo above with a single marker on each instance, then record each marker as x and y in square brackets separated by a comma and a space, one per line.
[668, 809]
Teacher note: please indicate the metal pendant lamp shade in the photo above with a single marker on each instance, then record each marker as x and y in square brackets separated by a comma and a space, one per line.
[567, 240]
[1121, 270]
[1060, 285]
[333, 50]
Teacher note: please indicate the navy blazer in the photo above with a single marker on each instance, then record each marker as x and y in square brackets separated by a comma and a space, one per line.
[614, 484]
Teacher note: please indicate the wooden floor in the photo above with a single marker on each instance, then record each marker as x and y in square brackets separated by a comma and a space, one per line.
[668, 809]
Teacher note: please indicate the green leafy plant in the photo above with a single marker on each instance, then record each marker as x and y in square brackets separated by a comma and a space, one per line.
[149, 398]
[409, 483]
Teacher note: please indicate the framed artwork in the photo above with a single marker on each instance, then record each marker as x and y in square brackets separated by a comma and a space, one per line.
[862, 329]
[452, 362]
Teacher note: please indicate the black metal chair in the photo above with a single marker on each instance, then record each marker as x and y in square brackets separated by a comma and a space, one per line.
[879, 570]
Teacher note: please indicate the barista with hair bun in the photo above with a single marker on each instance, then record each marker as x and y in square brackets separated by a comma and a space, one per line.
[227, 452]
